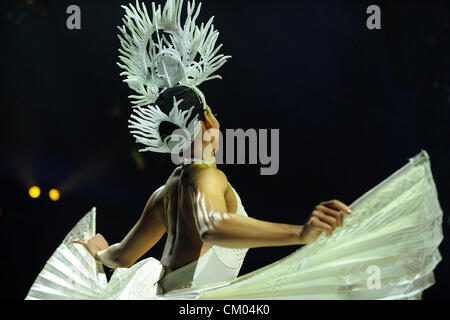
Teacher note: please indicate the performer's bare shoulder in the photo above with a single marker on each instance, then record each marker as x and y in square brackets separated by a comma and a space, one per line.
[214, 183]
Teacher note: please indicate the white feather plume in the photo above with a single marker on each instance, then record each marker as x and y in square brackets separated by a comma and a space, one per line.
[146, 121]
[151, 65]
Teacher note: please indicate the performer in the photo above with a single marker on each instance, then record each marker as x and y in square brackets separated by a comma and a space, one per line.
[192, 230]
[387, 248]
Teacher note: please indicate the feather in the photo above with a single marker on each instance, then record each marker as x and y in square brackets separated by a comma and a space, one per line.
[140, 55]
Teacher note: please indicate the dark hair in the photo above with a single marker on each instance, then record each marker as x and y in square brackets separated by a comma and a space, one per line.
[165, 103]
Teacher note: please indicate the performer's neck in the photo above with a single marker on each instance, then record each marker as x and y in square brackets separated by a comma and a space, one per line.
[200, 158]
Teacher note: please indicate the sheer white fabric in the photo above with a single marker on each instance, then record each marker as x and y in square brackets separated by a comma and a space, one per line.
[144, 280]
[387, 249]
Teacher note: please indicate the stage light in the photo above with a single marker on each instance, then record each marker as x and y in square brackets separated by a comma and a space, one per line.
[34, 192]
[53, 195]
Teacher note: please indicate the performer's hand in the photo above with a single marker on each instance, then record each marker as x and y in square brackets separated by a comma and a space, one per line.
[326, 216]
[94, 245]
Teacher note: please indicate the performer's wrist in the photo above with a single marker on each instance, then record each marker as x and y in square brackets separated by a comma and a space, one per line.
[295, 232]
[300, 239]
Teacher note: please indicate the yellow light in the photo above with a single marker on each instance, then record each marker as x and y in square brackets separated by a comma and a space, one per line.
[34, 192]
[53, 194]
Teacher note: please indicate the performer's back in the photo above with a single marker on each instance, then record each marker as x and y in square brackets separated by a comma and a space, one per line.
[178, 199]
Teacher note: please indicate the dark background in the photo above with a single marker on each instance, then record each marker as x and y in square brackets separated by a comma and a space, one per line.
[352, 106]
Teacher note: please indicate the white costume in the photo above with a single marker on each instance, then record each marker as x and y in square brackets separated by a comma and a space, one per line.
[387, 248]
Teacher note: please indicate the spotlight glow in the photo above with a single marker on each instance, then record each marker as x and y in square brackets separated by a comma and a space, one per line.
[34, 192]
[53, 195]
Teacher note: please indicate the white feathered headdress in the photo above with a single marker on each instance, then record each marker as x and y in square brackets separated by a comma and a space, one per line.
[154, 61]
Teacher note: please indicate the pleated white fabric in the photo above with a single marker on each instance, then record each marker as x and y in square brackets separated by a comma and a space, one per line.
[71, 272]
[387, 249]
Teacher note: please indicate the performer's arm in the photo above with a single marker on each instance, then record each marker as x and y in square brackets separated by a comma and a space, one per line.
[217, 227]
[142, 237]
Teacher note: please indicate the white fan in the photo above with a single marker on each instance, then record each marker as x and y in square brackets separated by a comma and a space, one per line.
[71, 272]
[395, 227]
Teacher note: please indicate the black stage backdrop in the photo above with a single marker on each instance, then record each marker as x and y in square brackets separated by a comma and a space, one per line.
[352, 105]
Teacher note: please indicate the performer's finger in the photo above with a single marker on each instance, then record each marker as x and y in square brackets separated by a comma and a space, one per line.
[83, 242]
[339, 216]
[329, 211]
[319, 224]
[331, 221]
[338, 205]
[341, 219]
